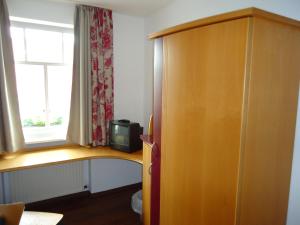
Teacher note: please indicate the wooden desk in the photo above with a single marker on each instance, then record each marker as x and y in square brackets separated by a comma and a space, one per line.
[52, 156]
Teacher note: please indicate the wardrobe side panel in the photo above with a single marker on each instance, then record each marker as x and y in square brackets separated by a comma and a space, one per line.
[202, 106]
[270, 128]
[147, 149]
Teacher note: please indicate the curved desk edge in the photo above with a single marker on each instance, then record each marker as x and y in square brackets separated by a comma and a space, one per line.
[53, 156]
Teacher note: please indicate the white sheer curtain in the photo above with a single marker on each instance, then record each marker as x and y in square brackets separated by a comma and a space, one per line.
[80, 123]
[11, 135]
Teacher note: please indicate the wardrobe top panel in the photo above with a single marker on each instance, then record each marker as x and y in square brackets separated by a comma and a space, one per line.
[248, 12]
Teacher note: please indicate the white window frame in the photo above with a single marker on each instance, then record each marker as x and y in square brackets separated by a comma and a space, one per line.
[47, 26]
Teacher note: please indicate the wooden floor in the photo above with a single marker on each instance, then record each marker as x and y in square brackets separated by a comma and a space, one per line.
[106, 208]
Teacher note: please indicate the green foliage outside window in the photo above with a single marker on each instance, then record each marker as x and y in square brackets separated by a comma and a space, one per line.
[41, 123]
[57, 121]
[33, 123]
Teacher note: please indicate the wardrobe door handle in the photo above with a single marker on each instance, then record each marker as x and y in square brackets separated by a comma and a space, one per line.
[150, 169]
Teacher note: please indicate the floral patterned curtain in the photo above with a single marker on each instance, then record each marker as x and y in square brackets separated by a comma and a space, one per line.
[101, 41]
[92, 88]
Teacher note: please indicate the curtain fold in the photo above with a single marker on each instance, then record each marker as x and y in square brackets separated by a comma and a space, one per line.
[11, 134]
[92, 87]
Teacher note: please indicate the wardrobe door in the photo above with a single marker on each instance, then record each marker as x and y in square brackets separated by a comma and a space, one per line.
[202, 105]
[271, 121]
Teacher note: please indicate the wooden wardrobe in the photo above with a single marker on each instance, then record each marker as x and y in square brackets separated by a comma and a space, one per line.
[225, 104]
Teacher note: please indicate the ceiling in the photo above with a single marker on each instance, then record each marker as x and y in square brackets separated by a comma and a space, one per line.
[131, 7]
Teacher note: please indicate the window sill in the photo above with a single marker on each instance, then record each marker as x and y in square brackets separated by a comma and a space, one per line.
[57, 155]
[43, 144]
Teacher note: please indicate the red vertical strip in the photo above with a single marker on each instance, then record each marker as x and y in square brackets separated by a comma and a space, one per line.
[157, 107]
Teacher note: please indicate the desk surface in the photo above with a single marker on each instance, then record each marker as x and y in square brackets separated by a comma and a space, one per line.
[52, 156]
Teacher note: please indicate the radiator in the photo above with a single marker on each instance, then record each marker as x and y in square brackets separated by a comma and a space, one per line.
[44, 183]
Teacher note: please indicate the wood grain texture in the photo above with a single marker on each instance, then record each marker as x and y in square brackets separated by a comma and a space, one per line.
[245, 111]
[202, 110]
[243, 13]
[147, 148]
[52, 156]
[270, 128]
[12, 213]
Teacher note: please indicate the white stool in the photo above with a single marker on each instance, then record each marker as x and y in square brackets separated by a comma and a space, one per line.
[13, 214]
[40, 218]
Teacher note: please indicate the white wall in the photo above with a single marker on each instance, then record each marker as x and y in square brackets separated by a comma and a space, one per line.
[180, 11]
[118, 172]
[42, 10]
[148, 81]
[128, 79]
[129, 67]
[294, 204]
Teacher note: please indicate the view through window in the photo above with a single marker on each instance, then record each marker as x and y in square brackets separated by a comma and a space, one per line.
[43, 60]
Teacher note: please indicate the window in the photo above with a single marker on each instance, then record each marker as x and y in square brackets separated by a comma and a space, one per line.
[43, 59]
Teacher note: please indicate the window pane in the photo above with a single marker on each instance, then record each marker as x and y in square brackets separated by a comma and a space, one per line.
[68, 47]
[59, 94]
[42, 134]
[17, 35]
[31, 94]
[44, 46]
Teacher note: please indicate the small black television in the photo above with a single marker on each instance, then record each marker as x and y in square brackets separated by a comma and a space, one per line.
[125, 136]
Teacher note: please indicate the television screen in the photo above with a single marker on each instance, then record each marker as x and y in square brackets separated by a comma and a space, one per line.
[120, 135]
